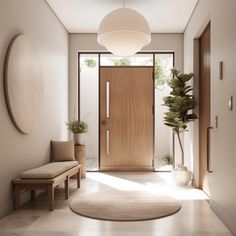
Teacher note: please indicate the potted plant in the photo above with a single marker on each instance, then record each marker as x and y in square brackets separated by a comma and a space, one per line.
[165, 163]
[167, 159]
[77, 127]
[180, 104]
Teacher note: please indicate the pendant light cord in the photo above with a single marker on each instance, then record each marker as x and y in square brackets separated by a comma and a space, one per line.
[124, 3]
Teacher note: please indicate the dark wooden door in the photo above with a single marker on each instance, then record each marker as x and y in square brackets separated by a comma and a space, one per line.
[205, 107]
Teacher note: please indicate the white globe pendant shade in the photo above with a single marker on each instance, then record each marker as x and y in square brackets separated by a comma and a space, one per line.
[124, 32]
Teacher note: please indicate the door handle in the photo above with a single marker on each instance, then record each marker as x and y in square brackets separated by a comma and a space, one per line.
[208, 149]
[107, 99]
[108, 142]
[104, 122]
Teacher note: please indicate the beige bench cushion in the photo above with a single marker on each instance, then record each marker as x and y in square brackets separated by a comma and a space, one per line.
[67, 164]
[48, 171]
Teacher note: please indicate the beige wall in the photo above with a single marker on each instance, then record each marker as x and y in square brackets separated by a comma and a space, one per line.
[88, 42]
[223, 46]
[19, 152]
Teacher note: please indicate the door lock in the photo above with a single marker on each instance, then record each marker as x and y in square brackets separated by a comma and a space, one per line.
[104, 122]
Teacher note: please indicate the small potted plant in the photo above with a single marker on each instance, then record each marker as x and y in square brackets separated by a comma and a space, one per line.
[77, 127]
[167, 159]
[180, 104]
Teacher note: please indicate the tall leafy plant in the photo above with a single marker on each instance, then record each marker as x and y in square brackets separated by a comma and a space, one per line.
[180, 104]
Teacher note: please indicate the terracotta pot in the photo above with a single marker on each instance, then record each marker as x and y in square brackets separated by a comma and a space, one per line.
[80, 156]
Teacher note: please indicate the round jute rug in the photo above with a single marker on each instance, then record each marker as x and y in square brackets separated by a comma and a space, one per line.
[124, 205]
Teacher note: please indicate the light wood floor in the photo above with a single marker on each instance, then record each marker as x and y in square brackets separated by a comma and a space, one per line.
[195, 218]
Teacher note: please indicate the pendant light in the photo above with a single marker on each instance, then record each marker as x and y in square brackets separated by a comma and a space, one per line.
[124, 32]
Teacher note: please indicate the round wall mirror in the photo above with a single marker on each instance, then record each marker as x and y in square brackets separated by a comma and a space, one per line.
[23, 84]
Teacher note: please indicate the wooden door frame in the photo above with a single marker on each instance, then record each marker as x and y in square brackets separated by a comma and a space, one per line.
[208, 25]
[99, 66]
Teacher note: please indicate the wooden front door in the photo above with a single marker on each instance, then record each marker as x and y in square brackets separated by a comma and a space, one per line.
[204, 108]
[126, 118]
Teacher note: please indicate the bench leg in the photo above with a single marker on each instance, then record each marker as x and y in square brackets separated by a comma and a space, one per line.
[32, 194]
[50, 198]
[67, 187]
[78, 177]
[16, 197]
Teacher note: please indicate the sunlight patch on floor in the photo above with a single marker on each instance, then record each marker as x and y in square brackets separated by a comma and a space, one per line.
[115, 182]
[180, 193]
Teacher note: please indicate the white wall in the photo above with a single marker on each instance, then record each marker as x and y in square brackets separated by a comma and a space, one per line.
[88, 42]
[223, 48]
[19, 152]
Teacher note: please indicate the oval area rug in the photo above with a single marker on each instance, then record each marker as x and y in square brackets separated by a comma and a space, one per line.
[124, 205]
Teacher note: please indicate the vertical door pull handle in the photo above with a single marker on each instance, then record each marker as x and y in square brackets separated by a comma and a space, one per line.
[108, 142]
[208, 149]
[107, 100]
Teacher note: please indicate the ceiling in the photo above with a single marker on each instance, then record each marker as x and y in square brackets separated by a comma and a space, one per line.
[84, 16]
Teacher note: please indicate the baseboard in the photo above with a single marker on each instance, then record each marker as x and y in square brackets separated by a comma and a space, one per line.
[6, 207]
[223, 216]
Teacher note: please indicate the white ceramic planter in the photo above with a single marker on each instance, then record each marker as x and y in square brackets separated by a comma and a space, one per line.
[76, 137]
[181, 177]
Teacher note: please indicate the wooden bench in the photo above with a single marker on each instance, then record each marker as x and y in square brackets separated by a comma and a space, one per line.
[38, 179]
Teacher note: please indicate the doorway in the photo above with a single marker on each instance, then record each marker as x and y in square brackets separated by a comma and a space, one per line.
[89, 79]
[205, 108]
[126, 118]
